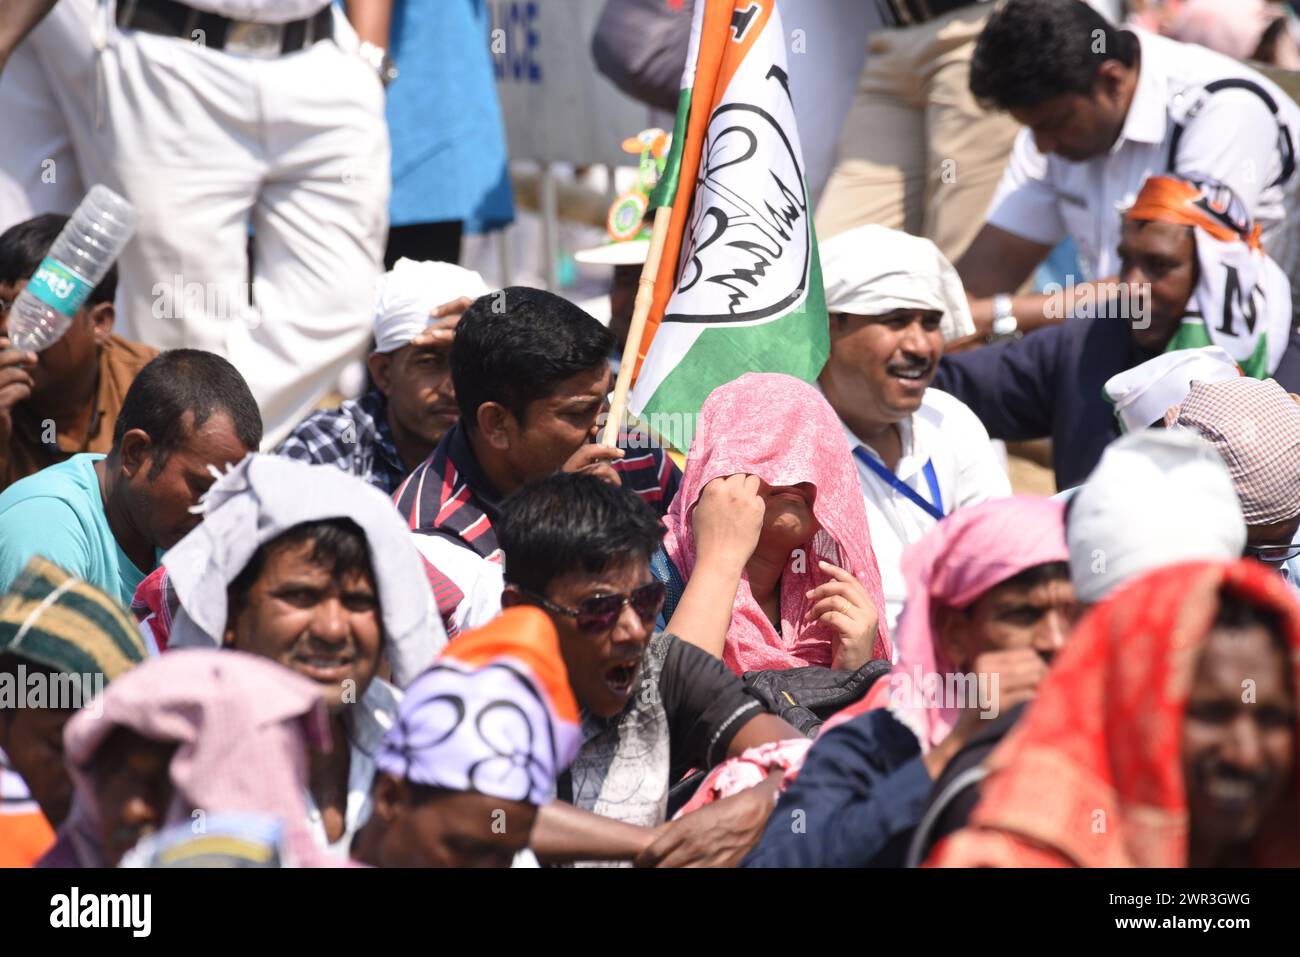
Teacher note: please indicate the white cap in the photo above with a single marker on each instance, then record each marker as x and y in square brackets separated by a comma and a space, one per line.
[872, 270]
[629, 252]
[1155, 498]
[407, 294]
[1144, 393]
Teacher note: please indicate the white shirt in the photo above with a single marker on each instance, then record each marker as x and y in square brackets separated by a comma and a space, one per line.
[367, 721]
[479, 580]
[1230, 136]
[945, 432]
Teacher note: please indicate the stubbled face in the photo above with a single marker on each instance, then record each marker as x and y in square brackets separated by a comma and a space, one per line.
[33, 740]
[132, 790]
[420, 392]
[1238, 739]
[788, 521]
[443, 828]
[554, 428]
[161, 504]
[881, 366]
[72, 360]
[300, 616]
[603, 667]
[1076, 128]
[1160, 257]
[1011, 616]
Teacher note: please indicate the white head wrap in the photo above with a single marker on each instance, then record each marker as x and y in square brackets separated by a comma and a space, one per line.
[1144, 393]
[266, 495]
[1155, 498]
[872, 270]
[410, 291]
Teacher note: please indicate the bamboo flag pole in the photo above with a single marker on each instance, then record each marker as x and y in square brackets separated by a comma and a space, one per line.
[645, 294]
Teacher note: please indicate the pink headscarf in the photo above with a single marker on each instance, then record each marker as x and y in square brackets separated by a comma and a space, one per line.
[242, 725]
[782, 430]
[955, 563]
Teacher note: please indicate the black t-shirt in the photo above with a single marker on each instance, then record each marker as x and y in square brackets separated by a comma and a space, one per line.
[706, 705]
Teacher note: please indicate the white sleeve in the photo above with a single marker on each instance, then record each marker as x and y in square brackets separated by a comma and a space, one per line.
[980, 476]
[482, 600]
[1234, 139]
[1025, 203]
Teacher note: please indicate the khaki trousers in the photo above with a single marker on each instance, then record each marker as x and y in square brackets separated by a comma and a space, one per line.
[917, 152]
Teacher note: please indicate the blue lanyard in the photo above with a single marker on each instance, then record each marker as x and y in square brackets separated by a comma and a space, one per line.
[935, 510]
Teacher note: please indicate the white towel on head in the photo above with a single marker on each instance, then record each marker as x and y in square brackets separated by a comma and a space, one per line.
[872, 270]
[264, 496]
[1155, 498]
[410, 291]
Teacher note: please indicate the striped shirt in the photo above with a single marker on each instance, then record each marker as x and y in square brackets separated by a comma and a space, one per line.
[450, 495]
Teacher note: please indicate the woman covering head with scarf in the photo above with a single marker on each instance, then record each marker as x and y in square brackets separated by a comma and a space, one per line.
[1240, 300]
[989, 605]
[1142, 750]
[769, 533]
[477, 746]
[192, 732]
[312, 568]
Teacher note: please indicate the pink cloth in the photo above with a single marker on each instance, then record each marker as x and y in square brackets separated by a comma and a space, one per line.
[782, 430]
[955, 563]
[745, 771]
[242, 725]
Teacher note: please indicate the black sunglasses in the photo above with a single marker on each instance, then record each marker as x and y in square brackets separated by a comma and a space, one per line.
[1272, 554]
[599, 612]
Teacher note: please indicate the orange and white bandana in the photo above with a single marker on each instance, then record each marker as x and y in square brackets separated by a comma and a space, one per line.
[494, 714]
[1242, 300]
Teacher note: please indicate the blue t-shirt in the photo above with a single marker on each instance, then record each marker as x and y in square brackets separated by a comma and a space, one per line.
[58, 514]
[444, 116]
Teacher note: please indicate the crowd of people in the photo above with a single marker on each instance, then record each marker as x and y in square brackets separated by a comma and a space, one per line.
[438, 624]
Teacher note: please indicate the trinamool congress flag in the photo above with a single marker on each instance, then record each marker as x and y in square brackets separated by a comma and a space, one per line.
[739, 287]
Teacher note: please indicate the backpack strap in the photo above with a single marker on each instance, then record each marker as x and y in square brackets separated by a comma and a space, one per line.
[921, 836]
[1284, 144]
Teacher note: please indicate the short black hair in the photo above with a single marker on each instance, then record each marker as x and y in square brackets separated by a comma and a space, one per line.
[1237, 613]
[515, 345]
[1031, 577]
[1036, 575]
[25, 244]
[338, 543]
[570, 522]
[180, 381]
[1033, 50]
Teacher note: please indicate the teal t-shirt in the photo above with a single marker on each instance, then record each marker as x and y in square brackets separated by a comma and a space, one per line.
[58, 514]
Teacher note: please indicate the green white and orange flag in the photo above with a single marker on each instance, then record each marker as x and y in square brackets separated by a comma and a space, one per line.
[739, 287]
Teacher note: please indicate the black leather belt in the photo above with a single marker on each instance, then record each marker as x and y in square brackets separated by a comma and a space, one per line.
[171, 19]
[908, 13]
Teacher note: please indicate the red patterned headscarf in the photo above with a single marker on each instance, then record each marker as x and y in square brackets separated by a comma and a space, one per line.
[1102, 742]
[782, 430]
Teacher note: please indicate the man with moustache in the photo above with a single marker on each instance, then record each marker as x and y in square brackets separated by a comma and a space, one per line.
[894, 299]
[314, 570]
[394, 426]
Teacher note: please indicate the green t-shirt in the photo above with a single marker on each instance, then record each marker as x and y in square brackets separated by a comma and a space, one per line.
[58, 514]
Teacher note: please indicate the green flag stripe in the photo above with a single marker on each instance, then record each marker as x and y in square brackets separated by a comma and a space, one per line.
[796, 344]
[665, 193]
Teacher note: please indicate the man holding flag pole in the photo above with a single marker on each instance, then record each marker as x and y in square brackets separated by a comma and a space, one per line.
[741, 289]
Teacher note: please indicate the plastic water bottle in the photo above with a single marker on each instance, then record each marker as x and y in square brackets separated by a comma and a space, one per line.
[77, 262]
